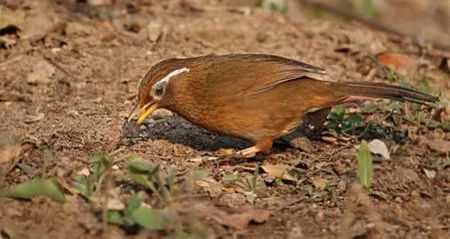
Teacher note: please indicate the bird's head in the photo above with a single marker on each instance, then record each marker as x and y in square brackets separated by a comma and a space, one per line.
[156, 89]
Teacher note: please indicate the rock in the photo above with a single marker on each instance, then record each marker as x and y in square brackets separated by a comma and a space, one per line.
[41, 73]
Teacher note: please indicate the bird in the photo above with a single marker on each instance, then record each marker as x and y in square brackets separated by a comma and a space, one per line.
[255, 97]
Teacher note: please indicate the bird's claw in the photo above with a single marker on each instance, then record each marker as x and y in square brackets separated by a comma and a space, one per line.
[244, 153]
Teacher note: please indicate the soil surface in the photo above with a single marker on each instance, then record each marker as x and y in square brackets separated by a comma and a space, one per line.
[69, 74]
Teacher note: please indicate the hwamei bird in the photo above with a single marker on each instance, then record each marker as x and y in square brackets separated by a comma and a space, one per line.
[254, 97]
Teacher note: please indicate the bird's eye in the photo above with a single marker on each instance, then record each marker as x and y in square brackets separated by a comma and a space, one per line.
[159, 90]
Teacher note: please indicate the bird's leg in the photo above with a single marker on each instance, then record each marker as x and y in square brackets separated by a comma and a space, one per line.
[248, 152]
[262, 146]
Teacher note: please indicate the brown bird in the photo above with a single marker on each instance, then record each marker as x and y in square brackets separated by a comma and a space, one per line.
[251, 96]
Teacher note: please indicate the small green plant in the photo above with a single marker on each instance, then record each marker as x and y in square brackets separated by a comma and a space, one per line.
[87, 185]
[365, 165]
[165, 188]
[137, 214]
[34, 188]
[342, 124]
[149, 176]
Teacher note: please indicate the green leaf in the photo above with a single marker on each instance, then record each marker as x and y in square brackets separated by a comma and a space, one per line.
[171, 178]
[101, 159]
[149, 218]
[36, 187]
[142, 179]
[143, 172]
[333, 125]
[339, 110]
[83, 186]
[365, 165]
[135, 203]
[138, 165]
[115, 217]
[354, 119]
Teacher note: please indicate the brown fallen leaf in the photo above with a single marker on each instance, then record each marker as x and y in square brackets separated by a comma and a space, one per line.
[211, 186]
[238, 219]
[279, 171]
[377, 146]
[394, 60]
[302, 143]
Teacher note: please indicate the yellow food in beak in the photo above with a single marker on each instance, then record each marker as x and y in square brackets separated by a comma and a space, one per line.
[144, 112]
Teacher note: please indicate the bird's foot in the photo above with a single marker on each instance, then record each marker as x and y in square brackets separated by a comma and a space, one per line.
[248, 152]
[244, 153]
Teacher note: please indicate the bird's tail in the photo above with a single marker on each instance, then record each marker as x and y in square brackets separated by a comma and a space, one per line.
[382, 90]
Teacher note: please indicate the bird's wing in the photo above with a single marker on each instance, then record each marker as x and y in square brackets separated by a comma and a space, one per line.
[272, 79]
[249, 74]
[267, 72]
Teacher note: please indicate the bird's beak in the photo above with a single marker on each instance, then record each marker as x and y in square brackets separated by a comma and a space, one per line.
[144, 112]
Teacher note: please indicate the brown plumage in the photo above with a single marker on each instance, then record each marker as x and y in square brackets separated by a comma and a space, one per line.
[251, 96]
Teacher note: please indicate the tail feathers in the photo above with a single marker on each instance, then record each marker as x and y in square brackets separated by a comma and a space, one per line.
[386, 91]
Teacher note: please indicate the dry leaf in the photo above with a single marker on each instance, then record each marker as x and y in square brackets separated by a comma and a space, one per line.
[239, 219]
[210, 185]
[395, 60]
[279, 171]
[377, 146]
[302, 143]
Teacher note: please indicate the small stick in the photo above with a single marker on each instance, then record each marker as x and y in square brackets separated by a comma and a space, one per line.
[59, 67]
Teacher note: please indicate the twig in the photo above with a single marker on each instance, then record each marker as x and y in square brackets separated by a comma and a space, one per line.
[59, 67]
[12, 60]
[374, 24]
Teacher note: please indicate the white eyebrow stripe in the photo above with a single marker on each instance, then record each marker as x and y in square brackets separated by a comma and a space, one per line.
[173, 73]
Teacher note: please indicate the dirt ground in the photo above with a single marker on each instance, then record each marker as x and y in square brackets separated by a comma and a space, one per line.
[69, 77]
